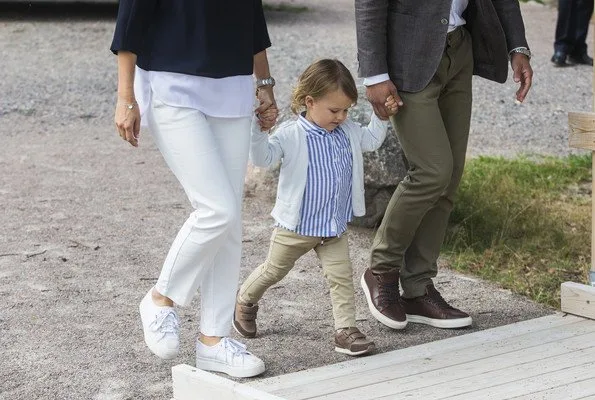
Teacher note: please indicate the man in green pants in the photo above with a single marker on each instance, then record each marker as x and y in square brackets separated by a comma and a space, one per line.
[424, 54]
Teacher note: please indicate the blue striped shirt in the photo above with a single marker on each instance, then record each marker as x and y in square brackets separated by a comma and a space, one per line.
[327, 203]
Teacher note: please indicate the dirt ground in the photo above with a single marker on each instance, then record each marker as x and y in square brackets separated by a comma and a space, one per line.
[86, 222]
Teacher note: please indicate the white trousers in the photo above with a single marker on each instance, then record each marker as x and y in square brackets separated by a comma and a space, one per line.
[208, 156]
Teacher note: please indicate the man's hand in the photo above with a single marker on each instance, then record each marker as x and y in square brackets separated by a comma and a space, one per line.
[523, 73]
[378, 95]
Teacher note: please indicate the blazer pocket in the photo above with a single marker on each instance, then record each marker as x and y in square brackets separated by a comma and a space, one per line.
[401, 41]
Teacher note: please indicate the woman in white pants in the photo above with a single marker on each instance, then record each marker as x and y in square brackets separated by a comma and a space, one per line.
[188, 71]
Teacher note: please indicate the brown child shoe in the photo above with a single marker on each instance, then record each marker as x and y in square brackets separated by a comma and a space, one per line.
[244, 319]
[352, 342]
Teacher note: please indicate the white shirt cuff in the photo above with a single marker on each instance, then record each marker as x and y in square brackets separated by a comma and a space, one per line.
[373, 80]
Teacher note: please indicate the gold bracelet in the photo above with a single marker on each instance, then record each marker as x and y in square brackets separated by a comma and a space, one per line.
[129, 106]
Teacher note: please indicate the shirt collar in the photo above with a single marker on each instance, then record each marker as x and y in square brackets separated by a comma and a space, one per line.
[311, 127]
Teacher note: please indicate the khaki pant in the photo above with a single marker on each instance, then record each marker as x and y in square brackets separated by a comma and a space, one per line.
[433, 128]
[286, 248]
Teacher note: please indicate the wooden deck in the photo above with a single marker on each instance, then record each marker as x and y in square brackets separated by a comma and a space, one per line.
[552, 357]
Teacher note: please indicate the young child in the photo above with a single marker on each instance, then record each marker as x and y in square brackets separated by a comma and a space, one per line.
[321, 187]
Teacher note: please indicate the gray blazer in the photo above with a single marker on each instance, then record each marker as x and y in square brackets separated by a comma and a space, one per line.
[406, 38]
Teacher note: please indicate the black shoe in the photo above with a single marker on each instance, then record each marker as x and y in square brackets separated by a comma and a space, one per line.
[582, 59]
[559, 59]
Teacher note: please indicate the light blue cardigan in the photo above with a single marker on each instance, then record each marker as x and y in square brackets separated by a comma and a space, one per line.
[288, 146]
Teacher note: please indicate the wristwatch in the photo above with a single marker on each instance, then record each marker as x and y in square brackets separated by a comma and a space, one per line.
[270, 81]
[522, 50]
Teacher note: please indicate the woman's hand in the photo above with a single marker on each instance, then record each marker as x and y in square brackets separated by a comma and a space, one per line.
[127, 121]
[267, 107]
[268, 118]
[127, 116]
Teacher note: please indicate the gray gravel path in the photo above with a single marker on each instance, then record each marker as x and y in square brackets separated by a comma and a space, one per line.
[86, 220]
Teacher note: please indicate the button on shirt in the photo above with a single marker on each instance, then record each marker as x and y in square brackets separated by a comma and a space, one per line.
[327, 203]
[455, 19]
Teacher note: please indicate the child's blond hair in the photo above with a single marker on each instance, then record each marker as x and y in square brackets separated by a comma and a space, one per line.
[320, 78]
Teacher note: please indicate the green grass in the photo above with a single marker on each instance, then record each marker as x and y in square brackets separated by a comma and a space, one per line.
[523, 223]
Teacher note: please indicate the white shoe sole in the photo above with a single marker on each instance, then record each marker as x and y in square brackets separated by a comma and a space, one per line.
[383, 319]
[208, 364]
[354, 353]
[164, 353]
[440, 323]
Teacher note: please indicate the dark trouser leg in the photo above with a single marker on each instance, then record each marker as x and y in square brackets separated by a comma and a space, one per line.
[582, 17]
[565, 26]
[435, 145]
[455, 107]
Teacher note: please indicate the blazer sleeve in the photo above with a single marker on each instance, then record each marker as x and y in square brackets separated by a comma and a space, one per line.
[371, 28]
[134, 18]
[265, 150]
[509, 13]
[372, 135]
[261, 34]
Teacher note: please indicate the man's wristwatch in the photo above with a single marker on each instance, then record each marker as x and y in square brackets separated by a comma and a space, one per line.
[270, 81]
[522, 50]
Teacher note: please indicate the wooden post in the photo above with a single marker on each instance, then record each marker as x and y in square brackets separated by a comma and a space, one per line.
[577, 298]
[592, 271]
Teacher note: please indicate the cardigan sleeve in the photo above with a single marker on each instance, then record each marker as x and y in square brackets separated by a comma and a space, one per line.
[134, 18]
[261, 34]
[265, 150]
[373, 134]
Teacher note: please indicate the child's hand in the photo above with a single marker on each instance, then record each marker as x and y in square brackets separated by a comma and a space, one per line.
[391, 105]
[268, 118]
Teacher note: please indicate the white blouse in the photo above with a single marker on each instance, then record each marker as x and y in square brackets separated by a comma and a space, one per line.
[229, 97]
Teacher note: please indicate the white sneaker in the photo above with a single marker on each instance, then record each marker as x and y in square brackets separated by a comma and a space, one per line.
[228, 356]
[161, 328]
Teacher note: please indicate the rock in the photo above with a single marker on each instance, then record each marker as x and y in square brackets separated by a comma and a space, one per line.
[383, 170]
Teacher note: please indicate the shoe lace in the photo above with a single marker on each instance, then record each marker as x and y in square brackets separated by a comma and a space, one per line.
[388, 293]
[235, 347]
[166, 322]
[436, 298]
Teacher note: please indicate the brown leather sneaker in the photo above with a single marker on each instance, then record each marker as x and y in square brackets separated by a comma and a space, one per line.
[382, 294]
[351, 341]
[244, 319]
[432, 309]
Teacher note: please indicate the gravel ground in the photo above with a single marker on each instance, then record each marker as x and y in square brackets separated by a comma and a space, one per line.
[87, 220]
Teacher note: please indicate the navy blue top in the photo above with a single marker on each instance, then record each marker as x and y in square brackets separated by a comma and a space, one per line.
[212, 38]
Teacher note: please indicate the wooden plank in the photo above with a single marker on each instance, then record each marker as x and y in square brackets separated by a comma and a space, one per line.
[388, 359]
[190, 383]
[506, 367]
[423, 361]
[578, 299]
[498, 365]
[528, 386]
[567, 391]
[582, 130]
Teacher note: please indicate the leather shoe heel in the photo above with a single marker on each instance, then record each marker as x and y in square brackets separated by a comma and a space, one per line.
[559, 59]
